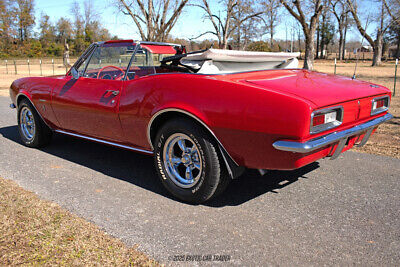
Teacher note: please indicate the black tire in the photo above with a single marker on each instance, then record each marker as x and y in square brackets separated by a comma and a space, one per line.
[210, 179]
[225, 180]
[41, 135]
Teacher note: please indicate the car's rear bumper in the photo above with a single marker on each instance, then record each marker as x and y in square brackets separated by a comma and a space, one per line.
[341, 137]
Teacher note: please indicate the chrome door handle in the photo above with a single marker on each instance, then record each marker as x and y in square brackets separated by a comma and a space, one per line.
[113, 92]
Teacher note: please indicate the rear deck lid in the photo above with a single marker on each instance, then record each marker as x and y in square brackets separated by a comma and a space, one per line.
[320, 88]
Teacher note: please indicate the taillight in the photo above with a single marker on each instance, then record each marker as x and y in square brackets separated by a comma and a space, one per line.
[325, 119]
[379, 105]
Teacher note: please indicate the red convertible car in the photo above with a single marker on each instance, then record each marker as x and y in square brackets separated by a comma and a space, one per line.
[205, 115]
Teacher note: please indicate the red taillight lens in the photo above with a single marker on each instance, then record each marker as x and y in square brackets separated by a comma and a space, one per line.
[318, 120]
[379, 105]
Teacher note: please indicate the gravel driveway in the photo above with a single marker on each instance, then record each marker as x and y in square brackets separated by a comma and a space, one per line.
[332, 212]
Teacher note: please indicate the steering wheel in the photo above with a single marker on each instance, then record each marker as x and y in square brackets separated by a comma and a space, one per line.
[119, 77]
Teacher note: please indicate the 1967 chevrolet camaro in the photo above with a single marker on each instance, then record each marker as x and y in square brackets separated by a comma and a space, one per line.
[205, 115]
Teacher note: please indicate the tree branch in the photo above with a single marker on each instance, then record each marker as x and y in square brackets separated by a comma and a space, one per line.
[128, 9]
[358, 24]
[204, 33]
[394, 18]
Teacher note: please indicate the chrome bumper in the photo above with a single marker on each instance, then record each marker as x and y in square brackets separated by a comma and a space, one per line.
[331, 138]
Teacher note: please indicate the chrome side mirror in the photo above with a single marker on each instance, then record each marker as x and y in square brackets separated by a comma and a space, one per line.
[74, 73]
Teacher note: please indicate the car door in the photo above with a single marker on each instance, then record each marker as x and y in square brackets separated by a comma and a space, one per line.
[89, 105]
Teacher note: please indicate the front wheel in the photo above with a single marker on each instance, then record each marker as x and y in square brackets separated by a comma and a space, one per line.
[33, 131]
[187, 161]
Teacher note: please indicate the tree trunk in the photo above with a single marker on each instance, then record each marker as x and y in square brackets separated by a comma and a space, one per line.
[317, 56]
[398, 48]
[340, 45]
[299, 40]
[309, 53]
[344, 44]
[224, 43]
[272, 40]
[340, 42]
[322, 43]
[377, 58]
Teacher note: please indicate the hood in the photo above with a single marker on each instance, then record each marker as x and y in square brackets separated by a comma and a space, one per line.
[320, 88]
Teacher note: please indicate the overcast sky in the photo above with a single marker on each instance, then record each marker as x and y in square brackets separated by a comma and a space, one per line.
[190, 24]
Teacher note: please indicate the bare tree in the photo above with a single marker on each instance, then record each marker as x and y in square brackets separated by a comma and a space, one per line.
[223, 24]
[271, 17]
[309, 26]
[299, 36]
[90, 12]
[340, 11]
[244, 31]
[25, 18]
[153, 18]
[394, 10]
[382, 26]
[326, 30]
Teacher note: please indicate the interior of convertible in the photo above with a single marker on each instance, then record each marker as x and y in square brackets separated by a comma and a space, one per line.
[117, 60]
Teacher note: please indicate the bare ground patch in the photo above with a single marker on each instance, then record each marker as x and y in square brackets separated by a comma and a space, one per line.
[4, 92]
[38, 232]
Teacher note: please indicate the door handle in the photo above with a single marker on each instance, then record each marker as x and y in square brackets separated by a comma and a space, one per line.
[113, 92]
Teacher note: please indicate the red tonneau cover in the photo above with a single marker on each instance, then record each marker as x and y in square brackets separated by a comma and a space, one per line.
[159, 49]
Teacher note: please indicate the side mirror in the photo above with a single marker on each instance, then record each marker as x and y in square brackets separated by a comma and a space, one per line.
[74, 73]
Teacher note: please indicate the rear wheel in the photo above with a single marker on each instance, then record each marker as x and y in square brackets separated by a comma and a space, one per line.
[33, 131]
[187, 162]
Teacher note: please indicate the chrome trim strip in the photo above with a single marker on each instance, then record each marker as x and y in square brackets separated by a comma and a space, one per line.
[331, 138]
[382, 109]
[37, 111]
[105, 142]
[188, 114]
[13, 106]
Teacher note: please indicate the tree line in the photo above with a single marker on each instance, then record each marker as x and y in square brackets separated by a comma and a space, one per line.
[235, 24]
[243, 21]
[18, 38]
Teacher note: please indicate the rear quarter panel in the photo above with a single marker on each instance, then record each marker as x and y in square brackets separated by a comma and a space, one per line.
[245, 119]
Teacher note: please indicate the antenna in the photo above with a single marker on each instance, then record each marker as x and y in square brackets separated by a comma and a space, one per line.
[362, 41]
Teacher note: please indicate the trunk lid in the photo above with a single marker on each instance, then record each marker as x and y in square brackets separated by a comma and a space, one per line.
[320, 88]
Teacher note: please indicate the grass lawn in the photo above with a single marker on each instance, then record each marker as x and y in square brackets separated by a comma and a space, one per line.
[38, 232]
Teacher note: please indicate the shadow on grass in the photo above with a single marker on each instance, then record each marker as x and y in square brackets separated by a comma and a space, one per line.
[139, 170]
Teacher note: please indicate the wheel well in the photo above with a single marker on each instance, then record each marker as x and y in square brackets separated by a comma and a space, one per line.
[163, 118]
[233, 168]
[20, 98]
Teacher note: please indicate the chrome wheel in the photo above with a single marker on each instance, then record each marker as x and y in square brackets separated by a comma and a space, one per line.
[27, 123]
[182, 160]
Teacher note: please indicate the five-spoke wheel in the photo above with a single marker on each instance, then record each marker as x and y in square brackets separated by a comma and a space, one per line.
[27, 123]
[32, 129]
[187, 161]
[182, 159]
